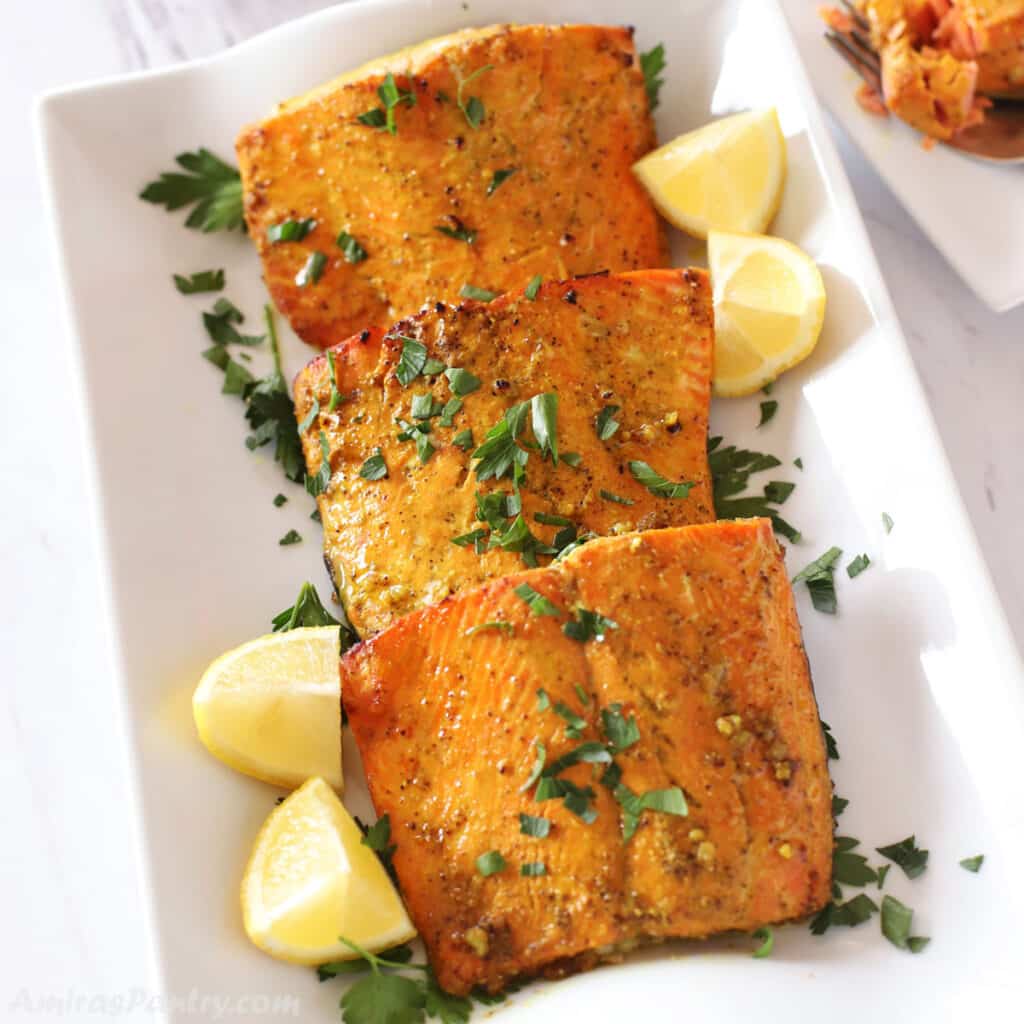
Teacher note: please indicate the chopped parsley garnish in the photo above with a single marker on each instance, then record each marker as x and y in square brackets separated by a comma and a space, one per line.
[533, 870]
[620, 732]
[544, 418]
[220, 325]
[351, 249]
[731, 469]
[656, 483]
[768, 411]
[495, 625]
[590, 752]
[574, 724]
[473, 108]
[474, 538]
[799, 463]
[315, 516]
[533, 287]
[887, 522]
[420, 433]
[490, 863]
[470, 291]
[973, 864]
[310, 417]
[459, 232]
[236, 379]
[318, 482]
[378, 838]
[312, 269]
[549, 520]
[896, 921]
[499, 178]
[290, 230]
[538, 765]
[850, 914]
[279, 500]
[374, 468]
[605, 423]
[667, 801]
[537, 603]
[576, 799]
[291, 537]
[778, 491]
[200, 281]
[383, 118]
[462, 382]
[307, 611]
[617, 498]
[819, 576]
[336, 396]
[849, 868]
[499, 454]
[211, 187]
[425, 407]
[529, 825]
[588, 625]
[463, 439]
[449, 410]
[652, 63]
[831, 747]
[882, 870]
[907, 855]
[412, 360]
[543, 700]
[581, 693]
[839, 804]
[857, 566]
[766, 937]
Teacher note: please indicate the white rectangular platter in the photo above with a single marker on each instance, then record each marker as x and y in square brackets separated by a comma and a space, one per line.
[917, 674]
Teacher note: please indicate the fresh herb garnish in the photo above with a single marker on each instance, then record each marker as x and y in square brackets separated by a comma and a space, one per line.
[652, 63]
[768, 411]
[211, 187]
[533, 869]
[857, 566]
[383, 119]
[831, 747]
[499, 454]
[318, 482]
[778, 491]
[799, 463]
[574, 724]
[378, 838]
[279, 500]
[336, 396]
[907, 855]
[307, 611]
[973, 864]
[537, 603]
[470, 291]
[310, 417]
[236, 379]
[617, 498]
[533, 287]
[887, 522]
[312, 269]
[200, 281]
[543, 700]
[819, 577]
[499, 178]
[590, 752]
[412, 360]
[849, 914]
[588, 625]
[351, 249]
[374, 468]
[896, 921]
[882, 870]
[290, 230]
[839, 804]
[656, 483]
[620, 732]
[291, 537]
[766, 938]
[529, 825]
[605, 423]
[463, 439]
[461, 381]
[849, 868]
[494, 624]
[667, 801]
[550, 520]
[420, 433]
[538, 765]
[490, 863]
[544, 419]
[425, 406]
[459, 232]
[473, 108]
[220, 325]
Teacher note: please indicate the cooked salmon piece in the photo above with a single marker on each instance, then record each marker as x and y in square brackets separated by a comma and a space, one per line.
[411, 514]
[990, 33]
[649, 699]
[510, 156]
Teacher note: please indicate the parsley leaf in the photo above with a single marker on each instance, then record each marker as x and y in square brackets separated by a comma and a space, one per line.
[378, 838]
[279, 500]
[374, 468]
[778, 491]
[411, 362]
[310, 417]
[200, 281]
[617, 498]
[849, 868]
[896, 921]
[220, 321]
[383, 999]
[499, 454]
[768, 411]
[533, 870]
[973, 864]
[211, 187]
[590, 752]
[307, 611]
[318, 483]
[350, 248]
[463, 439]
[588, 625]
[887, 522]
[336, 396]
[290, 230]
[473, 108]
[529, 825]
[420, 433]
[907, 855]
[574, 725]
[831, 748]
[882, 870]
[767, 939]
[470, 291]
[448, 1009]
[291, 537]
[543, 700]
[857, 566]
[850, 914]
[605, 424]
[459, 232]
[490, 863]
[621, 732]
[538, 765]
[391, 96]
[544, 418]
[839, 805]
[667, 801]
[425, 406]
[819, 577]
[462, 382]
[656, 483]
[652, 63]
[533, 287]
[312, 270]
[499, 178]
[537, 603]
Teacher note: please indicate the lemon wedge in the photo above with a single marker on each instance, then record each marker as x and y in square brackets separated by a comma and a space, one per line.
[769, 303]
[310, 880]
[728, 175]
[272, 707]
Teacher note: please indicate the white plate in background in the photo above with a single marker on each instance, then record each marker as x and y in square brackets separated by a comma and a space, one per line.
[917, 675]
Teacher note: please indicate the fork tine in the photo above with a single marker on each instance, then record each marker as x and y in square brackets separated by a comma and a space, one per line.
[853, 56]
[869, 52]
[858, 17]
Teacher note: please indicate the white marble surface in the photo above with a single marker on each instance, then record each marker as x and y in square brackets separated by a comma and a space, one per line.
[68, 877]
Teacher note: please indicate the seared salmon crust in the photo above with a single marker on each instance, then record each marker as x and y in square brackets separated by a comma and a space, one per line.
[451, 712]
[534, 177]
[639, 344]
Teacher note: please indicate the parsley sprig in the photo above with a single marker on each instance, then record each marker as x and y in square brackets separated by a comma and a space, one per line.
[819, 576]
[210, 186]
[391, 96]
[652, 63]
[472, 108]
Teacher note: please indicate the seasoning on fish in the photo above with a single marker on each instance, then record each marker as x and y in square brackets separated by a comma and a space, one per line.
[397, 165]
[687, 795]
[480, 424]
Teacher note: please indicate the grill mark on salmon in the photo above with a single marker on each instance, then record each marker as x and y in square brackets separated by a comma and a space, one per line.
[446, 725]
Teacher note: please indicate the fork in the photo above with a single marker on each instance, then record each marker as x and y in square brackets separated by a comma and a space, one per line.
[998, 139]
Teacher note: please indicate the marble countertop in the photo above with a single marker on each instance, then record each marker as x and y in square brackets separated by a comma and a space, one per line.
[68, 870]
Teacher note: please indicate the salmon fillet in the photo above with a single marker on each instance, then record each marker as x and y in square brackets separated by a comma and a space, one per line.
[558, 113]
[700, 687]
[639, 342]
